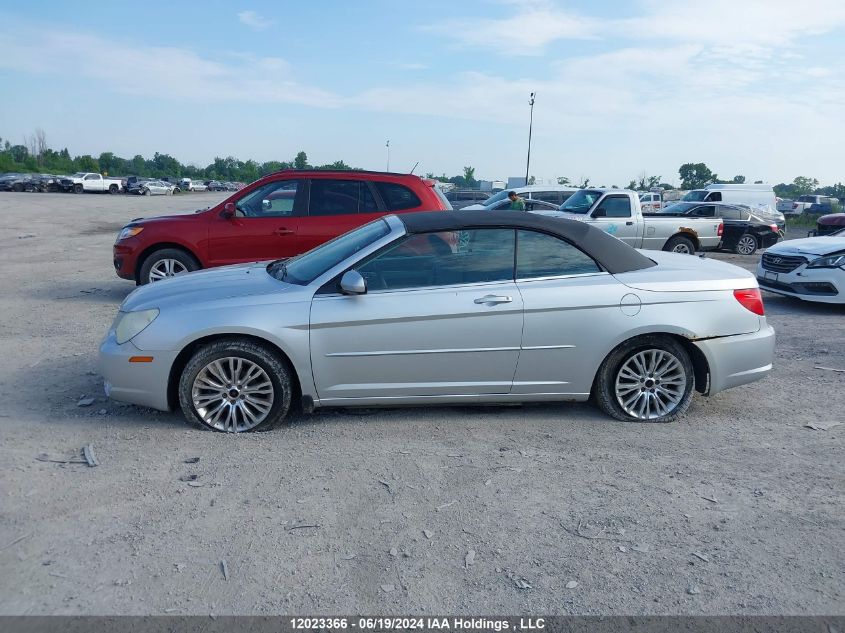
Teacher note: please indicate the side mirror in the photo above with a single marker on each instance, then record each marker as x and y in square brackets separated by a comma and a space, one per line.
[601, 212]
[228, 210]
[266, 204]
[352, 283]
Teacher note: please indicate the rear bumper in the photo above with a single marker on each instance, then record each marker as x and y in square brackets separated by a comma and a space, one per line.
[144, 384]
[738, 360]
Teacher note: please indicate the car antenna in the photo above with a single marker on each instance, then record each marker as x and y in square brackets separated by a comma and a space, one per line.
[414, 167]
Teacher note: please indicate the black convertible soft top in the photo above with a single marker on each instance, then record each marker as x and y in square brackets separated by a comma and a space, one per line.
[614, 255]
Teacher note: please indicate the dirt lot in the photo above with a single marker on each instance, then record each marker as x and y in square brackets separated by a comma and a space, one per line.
[737, 509]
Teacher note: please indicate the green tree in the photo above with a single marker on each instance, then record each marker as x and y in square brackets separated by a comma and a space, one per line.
[18, 153]
[469, 176]
[695, 175]
[86, 162]
[563, 180]
[739, 180]
[532, 180]
[301, 161]
[804, 185]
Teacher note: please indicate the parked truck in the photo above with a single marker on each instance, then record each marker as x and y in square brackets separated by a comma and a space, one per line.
[86, 181]
[618, 212]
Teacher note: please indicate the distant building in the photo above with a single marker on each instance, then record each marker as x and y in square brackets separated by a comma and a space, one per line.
[491, 185]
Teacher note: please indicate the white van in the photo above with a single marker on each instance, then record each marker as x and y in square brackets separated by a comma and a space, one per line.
[749, 195]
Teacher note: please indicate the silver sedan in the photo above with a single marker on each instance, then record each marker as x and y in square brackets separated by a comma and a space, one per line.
[441, 307]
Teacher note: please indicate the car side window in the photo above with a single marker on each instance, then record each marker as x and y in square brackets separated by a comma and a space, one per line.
[334, 197]
[275, 199]
[616, 207]
[443, 259]
[543, 255]
[397, 197]
[547, 196]
[705, 211]
[91, 177]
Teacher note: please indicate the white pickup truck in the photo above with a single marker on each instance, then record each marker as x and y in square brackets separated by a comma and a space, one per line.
[87, 181]
[618, 212]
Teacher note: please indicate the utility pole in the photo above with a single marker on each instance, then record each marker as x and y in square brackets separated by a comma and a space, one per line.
[530, 125]
[387, 145]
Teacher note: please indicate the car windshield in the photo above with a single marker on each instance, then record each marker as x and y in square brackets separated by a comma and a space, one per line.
[697, 195]
[78, 174]
[580, 201]
[492, 200]
[305, 268]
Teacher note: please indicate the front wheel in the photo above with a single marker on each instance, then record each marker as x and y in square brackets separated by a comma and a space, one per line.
[147, 192]
[647, 379]
[165, 263]
[235, 386]
[77, 189]
[680, 244]
[747, 245]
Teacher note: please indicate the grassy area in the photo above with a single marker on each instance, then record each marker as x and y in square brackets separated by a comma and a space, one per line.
[805, 220]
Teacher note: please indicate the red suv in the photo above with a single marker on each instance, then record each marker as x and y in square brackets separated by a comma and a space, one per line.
[280, 215]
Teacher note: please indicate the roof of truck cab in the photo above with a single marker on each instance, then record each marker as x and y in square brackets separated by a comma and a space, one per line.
[612, 254]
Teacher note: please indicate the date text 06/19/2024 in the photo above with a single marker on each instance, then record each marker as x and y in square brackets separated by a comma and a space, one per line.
[474, 624]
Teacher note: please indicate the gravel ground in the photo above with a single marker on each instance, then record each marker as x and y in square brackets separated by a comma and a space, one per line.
[736, 509]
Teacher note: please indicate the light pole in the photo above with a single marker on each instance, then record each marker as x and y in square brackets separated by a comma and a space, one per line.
[387, 145]
[530, 125]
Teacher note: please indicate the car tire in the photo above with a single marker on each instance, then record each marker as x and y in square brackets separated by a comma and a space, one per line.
[679, 244]
[113, 189]
[18, 187]
[158, 264]
[147, 192]
[78, 189]
[627, 393]
[746, 245]
[209, 404]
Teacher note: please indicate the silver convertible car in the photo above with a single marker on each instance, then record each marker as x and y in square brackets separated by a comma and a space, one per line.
[441, 307]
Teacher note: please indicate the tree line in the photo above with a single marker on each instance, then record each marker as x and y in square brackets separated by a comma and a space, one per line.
[34, 156]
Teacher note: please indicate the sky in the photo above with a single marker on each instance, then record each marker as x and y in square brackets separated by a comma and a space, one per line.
[623, 88]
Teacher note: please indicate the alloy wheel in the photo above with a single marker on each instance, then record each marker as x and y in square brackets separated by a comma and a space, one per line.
[165, 268]
[650, 384]
[746, 245]
[232, 394]
[681, 248]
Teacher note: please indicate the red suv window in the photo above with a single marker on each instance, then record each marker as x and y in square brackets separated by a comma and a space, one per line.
[397, 197]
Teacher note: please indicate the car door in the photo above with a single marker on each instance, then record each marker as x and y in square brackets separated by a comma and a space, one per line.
[571, 309]
[92, 182]
[265, 225]
[335, 206]
[613, 215]
[441, 317]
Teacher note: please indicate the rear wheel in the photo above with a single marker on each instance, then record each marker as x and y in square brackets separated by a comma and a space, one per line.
[647, 379]
[166, 262]
[680, 244]
[746, 245]
[113, 189]
[235, 386]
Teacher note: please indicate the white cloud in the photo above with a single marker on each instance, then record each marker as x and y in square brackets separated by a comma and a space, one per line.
[159, 72]
[253, 20]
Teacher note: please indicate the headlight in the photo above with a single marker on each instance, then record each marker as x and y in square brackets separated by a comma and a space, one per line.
[131, 324]
[831, 261]
[129, 231]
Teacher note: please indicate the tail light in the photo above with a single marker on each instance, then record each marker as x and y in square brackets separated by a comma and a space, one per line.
[774, 228]
[751, 300]
[721, 229]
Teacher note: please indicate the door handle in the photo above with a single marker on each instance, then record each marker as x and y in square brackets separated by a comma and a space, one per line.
[283, 231]
[629, 224]
[492, 299]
